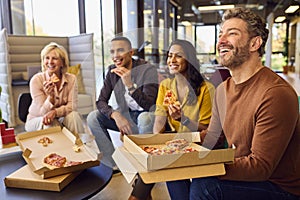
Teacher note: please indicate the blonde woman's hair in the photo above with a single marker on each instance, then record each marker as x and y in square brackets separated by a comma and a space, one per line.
[61, 53]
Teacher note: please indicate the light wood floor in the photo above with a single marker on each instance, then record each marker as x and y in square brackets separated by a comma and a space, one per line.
[293, 79]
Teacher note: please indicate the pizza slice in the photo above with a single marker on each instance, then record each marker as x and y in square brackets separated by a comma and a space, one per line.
[55, 160]
[170, 99]
[54, 78]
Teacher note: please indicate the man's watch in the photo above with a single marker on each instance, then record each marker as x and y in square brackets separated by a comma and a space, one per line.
[133, 87]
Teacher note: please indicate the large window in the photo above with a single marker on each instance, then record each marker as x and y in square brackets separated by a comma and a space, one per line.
[40, 17]
[279, 46]
[206, 39]
[106, 32]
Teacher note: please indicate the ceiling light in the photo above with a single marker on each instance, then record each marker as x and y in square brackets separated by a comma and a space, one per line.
[188, 14]
[280, 19]
[291, 9]
[147, 12]
[260, 7]
[210, 8]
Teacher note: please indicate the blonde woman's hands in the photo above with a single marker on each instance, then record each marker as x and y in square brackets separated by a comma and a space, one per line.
[49, 117]
[49, 87]
[49, 90]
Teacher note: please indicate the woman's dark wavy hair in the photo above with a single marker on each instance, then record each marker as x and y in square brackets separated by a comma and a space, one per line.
[194, 77]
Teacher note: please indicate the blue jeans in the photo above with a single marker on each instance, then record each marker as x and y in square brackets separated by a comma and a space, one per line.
[212, 188]
[98, 124]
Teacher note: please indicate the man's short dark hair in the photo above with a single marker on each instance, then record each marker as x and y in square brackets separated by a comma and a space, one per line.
[122, 38]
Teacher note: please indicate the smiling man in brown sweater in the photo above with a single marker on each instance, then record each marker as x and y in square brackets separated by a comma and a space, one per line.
[258, 112]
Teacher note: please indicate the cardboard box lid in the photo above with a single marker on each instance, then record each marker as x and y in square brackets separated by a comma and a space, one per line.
[27, 179]
[63, 143]
[202, 156]
[129, 167]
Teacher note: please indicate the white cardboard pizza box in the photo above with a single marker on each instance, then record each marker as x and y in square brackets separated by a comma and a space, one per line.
[202, 156]
[130, 167]
[27, 179]
[63, 143]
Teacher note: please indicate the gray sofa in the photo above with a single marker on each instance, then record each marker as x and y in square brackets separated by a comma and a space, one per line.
[17, 53]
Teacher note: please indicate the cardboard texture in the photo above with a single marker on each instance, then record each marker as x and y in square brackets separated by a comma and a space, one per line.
[132, 159]
[129, 167]
[27, 179]
[202, 156]
[63, 143]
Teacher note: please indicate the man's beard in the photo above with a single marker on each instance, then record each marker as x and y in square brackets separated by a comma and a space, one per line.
[239, 56]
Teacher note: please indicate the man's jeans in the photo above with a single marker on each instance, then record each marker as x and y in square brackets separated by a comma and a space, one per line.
[212, 188]
[98, 124]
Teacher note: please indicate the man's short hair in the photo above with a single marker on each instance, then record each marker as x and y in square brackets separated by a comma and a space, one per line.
[122, 38]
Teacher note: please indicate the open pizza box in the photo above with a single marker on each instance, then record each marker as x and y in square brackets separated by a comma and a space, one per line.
[132, 159]
[64, 143]
[27, 179]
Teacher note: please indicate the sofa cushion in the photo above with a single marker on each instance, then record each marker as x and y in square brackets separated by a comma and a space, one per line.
[85, 104]
[77, 71]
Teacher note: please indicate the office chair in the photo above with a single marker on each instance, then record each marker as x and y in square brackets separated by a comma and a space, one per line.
[24, 102]
[220, 75]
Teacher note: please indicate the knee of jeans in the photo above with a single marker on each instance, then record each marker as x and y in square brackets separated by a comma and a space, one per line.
[91, 117]
[207, 186]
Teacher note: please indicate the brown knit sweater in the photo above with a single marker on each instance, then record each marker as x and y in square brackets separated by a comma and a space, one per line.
[261, 118]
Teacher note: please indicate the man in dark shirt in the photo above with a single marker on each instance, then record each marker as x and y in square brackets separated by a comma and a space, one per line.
[135, 85]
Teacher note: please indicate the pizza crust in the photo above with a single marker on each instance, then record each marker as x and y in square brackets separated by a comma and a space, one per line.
[54, 78]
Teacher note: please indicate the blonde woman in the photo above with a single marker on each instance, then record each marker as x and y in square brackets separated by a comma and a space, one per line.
[54, 93]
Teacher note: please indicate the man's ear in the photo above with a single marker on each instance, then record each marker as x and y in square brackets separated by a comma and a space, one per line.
[255, 43]
[131, 52]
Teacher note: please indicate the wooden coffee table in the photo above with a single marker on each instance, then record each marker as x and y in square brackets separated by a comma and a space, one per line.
[84, 186]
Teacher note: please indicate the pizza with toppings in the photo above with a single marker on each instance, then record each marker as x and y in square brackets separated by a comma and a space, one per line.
[171, 147]
[58, 161]
[170, 99]
[55, 160]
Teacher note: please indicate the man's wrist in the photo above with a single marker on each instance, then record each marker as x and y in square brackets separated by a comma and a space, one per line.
[114, 114]
[132, 87]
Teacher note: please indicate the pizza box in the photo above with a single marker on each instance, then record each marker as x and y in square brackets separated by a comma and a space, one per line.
[63, 144]
[25, 178]
[130, 167]
[202, 156]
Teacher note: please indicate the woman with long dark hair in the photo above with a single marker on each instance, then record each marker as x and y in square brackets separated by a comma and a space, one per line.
[193, 95]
